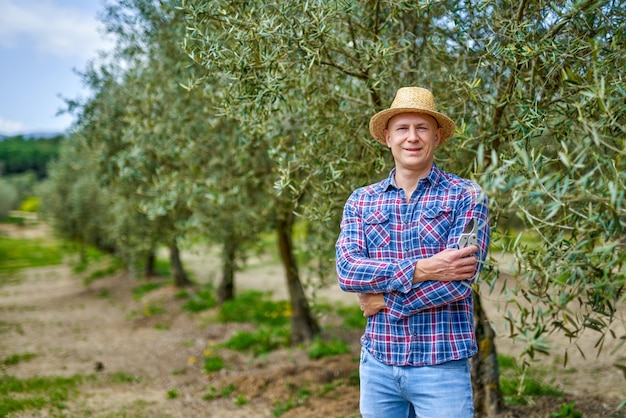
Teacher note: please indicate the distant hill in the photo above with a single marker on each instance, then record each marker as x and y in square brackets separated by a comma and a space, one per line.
[37, 135]
[19, 155]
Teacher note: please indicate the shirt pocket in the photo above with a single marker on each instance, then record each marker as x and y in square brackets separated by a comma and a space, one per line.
[434, 226]
[376, 229]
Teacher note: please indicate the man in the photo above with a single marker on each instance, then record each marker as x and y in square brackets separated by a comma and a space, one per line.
[399, 250]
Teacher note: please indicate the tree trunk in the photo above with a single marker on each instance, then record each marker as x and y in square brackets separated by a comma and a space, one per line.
[226, 289]
[304, 327]
[180, 277]
[488, 400]
[149, 269]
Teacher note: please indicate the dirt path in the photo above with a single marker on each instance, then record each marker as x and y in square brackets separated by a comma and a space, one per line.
[73, 328]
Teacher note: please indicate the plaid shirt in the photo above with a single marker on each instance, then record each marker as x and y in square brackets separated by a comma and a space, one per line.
[382, 238]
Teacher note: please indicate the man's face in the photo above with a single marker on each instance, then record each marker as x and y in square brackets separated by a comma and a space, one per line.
[413, 138]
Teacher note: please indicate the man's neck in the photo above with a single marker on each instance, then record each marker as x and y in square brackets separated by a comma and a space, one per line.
[408, 179]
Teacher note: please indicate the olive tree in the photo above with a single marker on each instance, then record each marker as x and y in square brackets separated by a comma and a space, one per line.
[535, 90]
[547, 105]
[180, 169]
[72, 202]
[8, 198]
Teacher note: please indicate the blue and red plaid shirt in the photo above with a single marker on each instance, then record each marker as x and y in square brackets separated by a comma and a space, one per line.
[382, 238]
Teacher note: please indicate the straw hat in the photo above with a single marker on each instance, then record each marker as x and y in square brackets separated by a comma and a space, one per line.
[413, 100]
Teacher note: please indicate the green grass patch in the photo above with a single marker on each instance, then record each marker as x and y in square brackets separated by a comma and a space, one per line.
[200, 301]
[213, 361]
[300, 395]
[145, 288]
[568, 410]
[114, 266]
[90, 255]
[256, 307]
[14, 220]
[517, 388]
[147, 310]
[163, 268]
[214, 393]
[35, 393]
[262, 341]
[352, 317]
[506, 362]
[151, 309]
[17, 253]
[123, 377]
[15, 359]
[320, 349]
[30, 204]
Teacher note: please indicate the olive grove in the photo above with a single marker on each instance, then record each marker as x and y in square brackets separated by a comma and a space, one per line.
[221, 119]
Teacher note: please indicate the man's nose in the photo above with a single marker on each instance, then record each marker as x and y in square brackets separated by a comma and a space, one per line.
[413, 134]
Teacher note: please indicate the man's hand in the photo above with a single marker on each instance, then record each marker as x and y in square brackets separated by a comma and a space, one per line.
[371, 303]
[447, 266]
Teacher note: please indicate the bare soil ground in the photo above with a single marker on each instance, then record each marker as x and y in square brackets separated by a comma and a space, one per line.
[99, 330]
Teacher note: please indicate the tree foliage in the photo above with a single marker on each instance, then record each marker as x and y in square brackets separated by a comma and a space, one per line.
[535, 89]
[73, 201]
[222, 119]
[555, 159]
[8, 198]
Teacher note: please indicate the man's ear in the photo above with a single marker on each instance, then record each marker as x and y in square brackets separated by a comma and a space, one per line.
[438, 136]
[386, 135]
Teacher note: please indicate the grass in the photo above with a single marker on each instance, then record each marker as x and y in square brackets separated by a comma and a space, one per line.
[256, 307]
[15, 359]
[320, 349]
[200, 301]
[36, 393]
[225, 392]
[114, 266]
[518, 388]
[163, 268]
[300, 395]
[568, 410]
[273, 319]
[143, 289]
[123, 377]
[213, 363]
[352, 317]
[90, 255]
[18, 253]
[262, 341]
[270, 318]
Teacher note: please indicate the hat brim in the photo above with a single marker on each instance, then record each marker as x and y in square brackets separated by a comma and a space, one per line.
[378, 122]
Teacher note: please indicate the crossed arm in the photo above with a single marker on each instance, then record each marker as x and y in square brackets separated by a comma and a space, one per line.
[407, 286]
[447, 266]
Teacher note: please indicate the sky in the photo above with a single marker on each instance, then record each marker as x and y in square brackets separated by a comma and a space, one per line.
[42, 45]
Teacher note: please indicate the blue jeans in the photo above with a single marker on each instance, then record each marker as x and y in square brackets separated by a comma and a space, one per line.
[441, 391]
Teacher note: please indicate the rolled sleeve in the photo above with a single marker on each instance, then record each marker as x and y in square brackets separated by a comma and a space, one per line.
[359, 273]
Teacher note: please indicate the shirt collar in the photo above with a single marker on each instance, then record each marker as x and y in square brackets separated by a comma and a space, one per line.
[433, 177]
